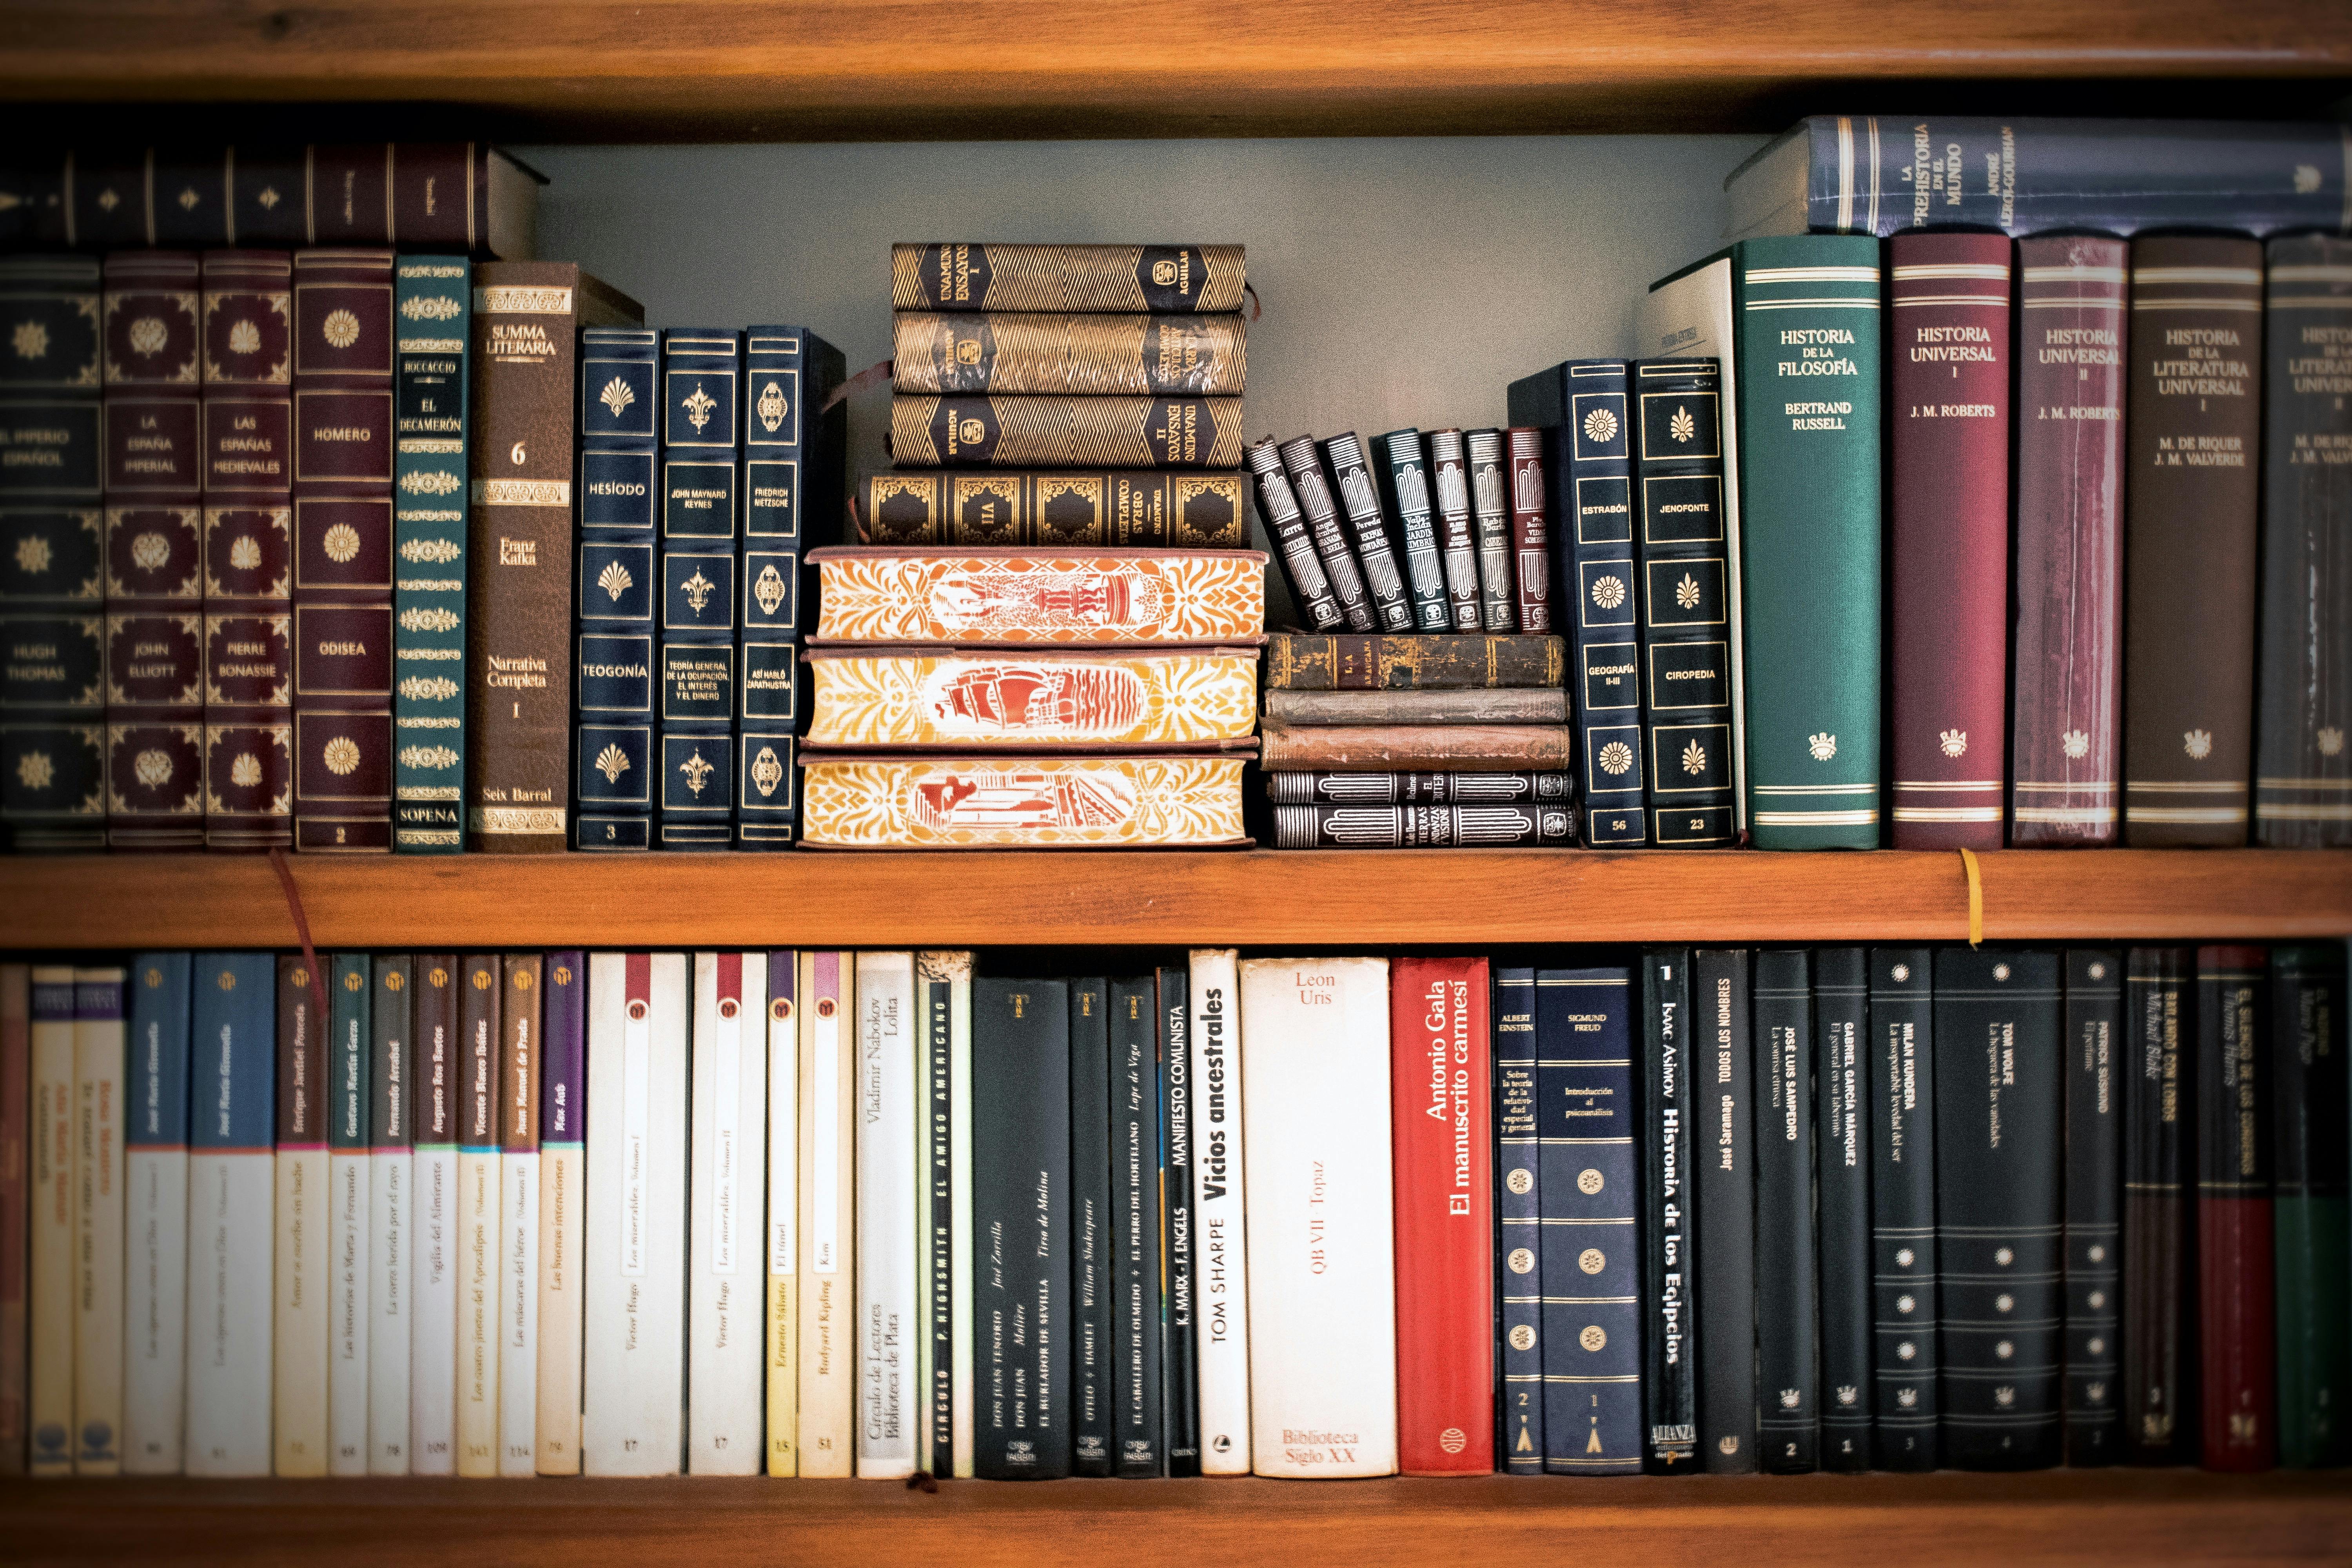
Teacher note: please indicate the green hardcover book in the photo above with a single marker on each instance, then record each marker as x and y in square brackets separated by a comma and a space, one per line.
[1807, 309]
[430, 301]
[2313, 1218]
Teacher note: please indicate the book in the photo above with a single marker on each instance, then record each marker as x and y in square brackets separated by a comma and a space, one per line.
[784, 1317]
[1531, 528]
[434, 1075]
[1365, 600]
[1843, 1158]
[1179, 1283]
[2236, 1313]
[1686, 663]
[887, 1402]
[1999, 1154]
[1080, 699]
[1296, 662]
[99, 1214]
[1021, 1217]
[726, 1161]
[392, 1264]
[620, 499]
[828, 990]
[1524, 705]
[1907, 1417]
[2093, 1236]
[1498, 593]
[1220, 1258]
[350, 1186]
[1323, 1392]
[154, 589]
[518, 1282]
[1138, 1249]
[2314, 1278]
[49, 1384]
[155, 1215]
[1092, 1388]
[957, 800]
[1166, 280]
[1327, 826]
[1358, 496]
[2065, 746]
[1019, 597]
[1096, 354]
[2302, 782]
[1788, 1300]
[1443, 748]
[524, 361]
[481, 1261]
[1305, 527]
[1415, 789]
[964, 1384]
[1443, 1141]
[1727, 1414]
[562, 1190]
[702, 558]
[2193, 422]
[1457, 542]
[2158, 1095]
[1402, 471]
[1865, 174]
[1669, 1216]
[16, 1209]
[433, 302]
[231, 1229]
[299, 1307]
[1518, 1226]
[942, 991]
[1043, 431]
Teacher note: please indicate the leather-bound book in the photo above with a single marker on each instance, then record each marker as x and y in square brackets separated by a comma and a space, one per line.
[432, 299]
[1091, 354]
[2095, 1064]
[2236, 1323]
[1358, 496]
[950, 798]
[2159, 1087]
[1401, 467]
[2308, 1112]
[1903, 1206]
[1498, 593]
[697, 602]
[1948, 348]
[983, 430]
[1523, 447]
[1116, 508]
[1165, 280]
[1322, 826]
[1299, 663]
[527, 319]
[613, 764]
[1004, 598]
[1506, 705]
[1842, 1171]
[1295, 463]
[1449, 483]
[2194, 423]
[1416, 789]
[2065, 736]
[1788, 1298]
[1686, 644]
[1302, 569]
[1434, 748]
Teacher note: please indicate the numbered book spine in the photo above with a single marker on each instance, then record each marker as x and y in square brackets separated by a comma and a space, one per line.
[1124, 509]
[231, 1231]
[2065, 748]
[1323, 1393]
[935, 1349]
[887, 1249]
[1180, 1351]
[156, 1216]
[432, 297]
[1417, 789]
[2236, 1315]
[828, 1350]
[1726, 1214]
[2000, 1155]
[1091, 1391]
[1422, 827]
[620, 496]
[1402, 471]
[2315, 1276]
[352, 1228]
[391, 1261]
[1027, 432]
[1787, 1310]
[298, 1310]
[2094, 1071]
[2159, 1082]
[1531, 528]
[1096, 355]
[51, 1381]
[563, 1175]
[1303, 470]
[701, 523]
[1518, 1225]
[15, 1208]
[1136, 1246]
[782, 1359]
[480, 1271]
[1165, 280]
[1669, 1216]
[1220, 1264]
[1457, 546]
[518, 1279]
[1686, 644]
[1498, 593]
[1367, 529]
[434, 1079]
[1841, 1148]
[723, 1363]
[1312, 590]
[1903, 1207]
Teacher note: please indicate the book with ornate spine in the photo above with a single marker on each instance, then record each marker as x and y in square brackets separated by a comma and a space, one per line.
[952, 799]
[1018, 598]
[99, 1215]
[1518, 1228]
[2066, 744]
[392, 1263]
[827, 987]
[2309, 1112]
[562, 1188]
[518, 1090]
[1165, 280]
[1498, 593]
[230, 1227]
[1063, 509]
[1179, 1379]
[1139, 1438]
[936, 1239]
[350, 1190]
[1905, 1421]
[2158, 1087]
[2302, 775]
[524, 357]
[2193, 418]
[1366, 599]
[1530, 527]
[432, 299]
[1724, 1092]
[2236, 1319]
[1311, 589]
[52, 554]
[783, 1232]
[299, 1305]
[1439, 747]
[1295, 662]
[15, 1208]
[1842, 1165]
[1403, 474]
[1524, 705]
[963, 1414]
[2094, 1240]
[49, 1262]
[1685, 652]
[1788, 1306]
[1038, 699]
[155, 1215]
[1028, 432]
[481, 1272]
[1359, 495]
[1302, 509]
[1486, 827]
[887, 1401]
[620, 497]
[434, 1079]
[1457, 544]
[1221, 1260]
[248, 549]
[725, 1192]
[1091, 1385]
[701, 550]
[1669, 1219]
[1416, 789]
[1091, 354]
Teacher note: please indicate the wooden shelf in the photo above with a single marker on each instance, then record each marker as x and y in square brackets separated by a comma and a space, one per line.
[1359, 899]
[895, 69]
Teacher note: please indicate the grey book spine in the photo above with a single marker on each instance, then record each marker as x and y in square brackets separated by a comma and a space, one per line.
[1403, 474]
[1305, 471]
[1310, 585]
[1449, 483]
[1359, 503]
[1498, 607]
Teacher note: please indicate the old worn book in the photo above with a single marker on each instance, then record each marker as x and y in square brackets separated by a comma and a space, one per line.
[1457, 550]
[1057, 509]
[1096, 355]
[1165, 280]
[1329, 827]
[1359, 498]
[1016, 597]
[1294, 462]
[1416, 789]
[951, 799]
[1401, 467]
[1437, 748]
[1311, 591]
[1531, 526]
[1059, 698]
[1534, 705]
[959, 430]
[1498, 593]
[1297, 662]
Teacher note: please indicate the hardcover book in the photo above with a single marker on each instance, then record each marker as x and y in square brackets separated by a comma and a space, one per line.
[232, 1096]
[1403, 474]
[1095, 355]
[1523, 705]
[1457, 542]
[99, 1214]
[1220, 1258]
[1788, 1304]
[1416, 789]
[1727, 1414]
[481, 1250]
[782, 1359]
[1180, 1285]
[2236, 1315]
[16, 1209]
[1021, 597]
[299, 1306]
[1518, 1265]
[2309, 1111]
[1531, 528]
[49, 1383]
[620, 497]
[726, 1164]
[1443, 748]
[954, 799]
[434, 1074]
[562, 1189]
[887, 1401]
[1049, 699]
[996, 432]
[155, 1215]
[392, 1266]
[352, 1285]
[1165, 280]
[433, 300]
[1090, 1313]
[1842, 1170]
[937, 1240]
[1049, 509]
[700, 562]
[1907, 1417]
[1358, 498]
[1498, 593]
[519, 1043]
[2158, 1096]
[1686, 660]
[1305, 527]
[1138, 1273]
[1669, 1219]
[2095, 1065]
[1328, 826]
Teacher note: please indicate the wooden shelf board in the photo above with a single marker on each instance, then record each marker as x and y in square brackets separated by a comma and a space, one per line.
[1339, 898]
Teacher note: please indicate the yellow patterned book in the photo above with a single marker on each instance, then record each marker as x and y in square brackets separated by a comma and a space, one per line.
[1019, 597]
[950, 802]
[1061, 699]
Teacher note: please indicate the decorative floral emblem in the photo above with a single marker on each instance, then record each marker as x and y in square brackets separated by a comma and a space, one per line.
[1846, 1394]
[698, 406]
[342, 543]
[770, 406]
[1906, 1397]
[2307, 179]
[1686, 593]
[148, 335]
[32, 553]
[1608, 591]
[245, 553]
[2002, 1255]
[614, 580]
[767, 772]
[31, 340]
[245, 771]
[617, 397]
[697, 772]
[340, 756]
[2004, 1302]
[1823, 746]
[2000, 972]
[1791, 1398]
[1589, 1182]
[432, 620]
[2198, 743]
[1523, 1338]
[429, 307]
[1521, 1180]
[769, 590]
[1904, 1303]
[1593, 1337]
[1902, 972]
[2331, 741]
[1591, 1260]
[341, 328]
[1904, 1255]
[269, 198]
[1682, 427]
[1952, 742]
[428, 687]
[1616, 758]
[2004, 1396]
[698, 589]
[150, 552]
[2098, 972]
[430, 481]
[612, 763]
[2096, 1392]
[1693, 759]
[2075, 743]
[434, 757]
[244, 338]
[1522, 1260]
[1600, 426]
[438, 551]
[152, 768]
[971, 432]
[1906, 1351]
[108, 201]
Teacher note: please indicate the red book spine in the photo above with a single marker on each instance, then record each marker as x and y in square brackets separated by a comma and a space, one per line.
[2236, 1319]
[1530, 533]
[1948, 434]
[1439, 1065]
[2065, 742]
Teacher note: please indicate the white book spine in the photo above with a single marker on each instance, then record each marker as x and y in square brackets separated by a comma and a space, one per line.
[1322, 1262]
[49, 1380]
[518, 1313]
[390, 1173]
[828, 1368]
[97, 1217]
[231, 1235]
[433, 1317]
[959, 1212]
[478, 1232]
[784, 1224]
[300, 1363]
[726, 1304]
[886, 1213]
[1220, 1264]
[350, 1186]
[562, 1170]
[156, 1304]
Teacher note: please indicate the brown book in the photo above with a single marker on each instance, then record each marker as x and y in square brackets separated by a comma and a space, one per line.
[1120, 508]
[527, 320]
[1439, 747]
[519, 1051]
[1166, 280]
[480, 1049]
[1427, 663]
[2194, 423]
[1095, 355]
[983, 431]
[1521, 705]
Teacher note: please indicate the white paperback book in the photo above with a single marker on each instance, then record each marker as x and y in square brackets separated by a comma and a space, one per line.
[391, 1167]
[1322, 1261]
[1220, 1255]
[886, 1214]
[726, 1294]
[232, 1231]
[351, 1180]
[299, 1309]
[479, 1230]
[519, 1216]
[50, 1250]
[155, 1218]
[828, 1365]
[634, 1375]
[433, 1278]
[98, 1221]
[563, 1177]
[783, 1362]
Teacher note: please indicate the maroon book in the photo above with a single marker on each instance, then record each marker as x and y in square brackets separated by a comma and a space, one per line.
[1530, 536]
[1947, 349]
[2236, 1324]
[342, 551]
[2066, 743]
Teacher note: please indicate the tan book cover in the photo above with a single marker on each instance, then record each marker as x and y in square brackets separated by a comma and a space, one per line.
[963, 802]
[1019, 598]
[1063, 698]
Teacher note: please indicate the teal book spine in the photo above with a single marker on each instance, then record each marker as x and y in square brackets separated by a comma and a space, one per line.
[1808, 310]
[430, 306]
[2313, 1232]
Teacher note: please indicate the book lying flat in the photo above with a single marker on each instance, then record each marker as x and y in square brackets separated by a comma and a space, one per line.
[952, 801]
[1014, 598]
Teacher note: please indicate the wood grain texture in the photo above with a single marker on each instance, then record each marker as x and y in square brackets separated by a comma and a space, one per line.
[1359, 898]
[762, 70]
[2057, 1516]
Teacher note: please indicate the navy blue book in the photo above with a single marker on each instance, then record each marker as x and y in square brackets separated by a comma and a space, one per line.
[1020, 1225]
[612, 750]
[1582, 405]
[1725, 1098]
[1136, 1435]
[1788, 1347]
[1903, 1207]
[1669, 1255]
[1842, 1201]
[1518, 1224]
[1090, 1228]
[1591, 1164]
[701, 515]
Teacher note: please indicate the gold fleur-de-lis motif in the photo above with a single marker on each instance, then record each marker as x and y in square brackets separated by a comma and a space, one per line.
[697, 771]
[698, 406]
[1693, 759]
[698, 589]
[1682, 427]
[1686, 593]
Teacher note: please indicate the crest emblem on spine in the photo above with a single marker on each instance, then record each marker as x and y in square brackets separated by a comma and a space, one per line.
[617, 397]
[697, 771]
[698, 589]
[341, 329]
[769, 590]
[1791, 1398]
[772, 407]
[612, 763]
[614, 580]
[698, 406]
[1823, 746]
[767, 772]
[1952, 742]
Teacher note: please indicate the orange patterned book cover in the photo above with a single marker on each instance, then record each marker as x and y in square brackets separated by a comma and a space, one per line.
[1056, 699]
[949, 802]
[1021, 597]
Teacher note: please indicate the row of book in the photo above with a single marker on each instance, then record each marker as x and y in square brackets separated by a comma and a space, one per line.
[877, 1214]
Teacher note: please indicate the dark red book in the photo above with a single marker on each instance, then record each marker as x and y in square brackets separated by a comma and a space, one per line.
[1444, 1151]
[2237, 1338]
[1948, 353]
[1530, 531]
[2066, 743]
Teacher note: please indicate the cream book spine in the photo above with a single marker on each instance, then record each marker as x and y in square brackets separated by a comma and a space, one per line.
[232, 1232]
[99, 1046]
[155, 1218]
[351, 1241]
[434, 1076]
[828, 1222]
[783, 1362]
[886, 1214]
[518, 1327]
[725, 1306]
[1221, 1265]
[391, 1182]
[562, 1179]
[478, 1226]
[298, 1358]
[49, 1378]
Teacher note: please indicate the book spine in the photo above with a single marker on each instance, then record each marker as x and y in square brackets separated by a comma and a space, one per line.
[701, 529]
[620, 496]
[1520, 705]
[155, 1215]
[1311, 590]
[1447, 748]
[1368, 534]
[563, 1177]
[1097, 355]
[352, 1285]
[1295, 662]
[1124, 509]
[298, 1308]
[432, 301]
[783, 1362]
[1669, 1261]
[1041, 431]
[1304, 472]
[1091, 1385]
[1906, 1418]
[480, 1270]
[2095, 1065]
[2236, 1317]
[230, 1227]
[154, 584]
[50, 1393]
[1684, 665]
[1323, 826]
[1457, 547]
[434, 1076]
[935, 1357]
[1810, 419]
[1165, 280]
[1220, 1257]
[1416, 789]
[2309, 1112]
[723, 1433]
[518, 1279]
[1531, 528]
[961, 1260]
[1498, 593]
[1588, 1129]
[392, 1265]
[1843, 1154]
[2303, 778]
[16, 1209]
[1403, 474]
[1597, 487]
[1727, 1439]
[1518, 1225]
[1788, 1348]
[1180, 1360]
[886, 1213]
[1138, 1438]
[2066, 740]
[828, 1394]
[2159, 1089]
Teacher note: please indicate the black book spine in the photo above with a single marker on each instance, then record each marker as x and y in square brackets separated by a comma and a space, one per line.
[1135, 1428]
[1359, 501]
[1727, 1213]
[2095, 1063]
[1841, 1164]
[1518, 1225]
[1322, 513]
[1422, 827]
[1457, 543]
[935, 1447]
[1310, 585]
[1020, 1221]
[2159, 1280]
[1903, 1206]
[1999, 1127]
[1180, 1356]
[1669, 1267]
[1416, 789]
[1403, 475]
[1090, 1229]
[1787, 1339]
[1498, 593]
